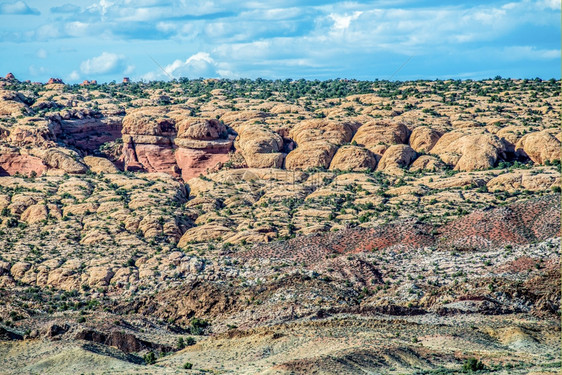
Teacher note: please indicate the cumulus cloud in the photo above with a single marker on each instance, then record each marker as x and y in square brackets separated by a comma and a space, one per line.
[342, 22]
[201, 64]
[287, 38]
[103, 64]
[73, 76]
[66, 8]
[103, 6]
[19, 7]
[550, 4]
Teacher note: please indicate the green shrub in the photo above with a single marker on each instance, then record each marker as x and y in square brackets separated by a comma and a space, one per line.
[180, 343]
[149, 358]
[472, 364]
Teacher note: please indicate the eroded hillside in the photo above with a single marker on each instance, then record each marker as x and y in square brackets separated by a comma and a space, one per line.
[289, 226]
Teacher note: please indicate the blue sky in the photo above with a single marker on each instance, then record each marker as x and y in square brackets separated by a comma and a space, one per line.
[315, 39]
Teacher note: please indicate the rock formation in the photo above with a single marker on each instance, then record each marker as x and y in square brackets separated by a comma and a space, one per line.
[317, 142]
[160, 140]
[377, 133]
[353, 158]
[260, 146]
[423, 138]
[470, 151]
[540, 147]
[55, 81]
[395, 158]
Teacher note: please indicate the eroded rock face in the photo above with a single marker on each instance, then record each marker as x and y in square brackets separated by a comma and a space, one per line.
[62, 159]
[34, 214]
[331, 131]
[468, 151]
[260, 146]
[377, 133]
[523, 180]
[12, 162]
[201, 129]
[171, 141]
[100, 165]
[353, 158]
[540, 147]
[11, 104]
[423, 138]
[87, 130]
[395, 158]
[31, 132]
[317, 142]
[426, 163]
[204, 232]
[311, 155]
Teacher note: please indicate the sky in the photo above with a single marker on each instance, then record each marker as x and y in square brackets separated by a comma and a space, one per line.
[278, 39]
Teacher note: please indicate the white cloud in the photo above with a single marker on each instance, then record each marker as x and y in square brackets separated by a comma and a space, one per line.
[73, 76]
[77, 29]
[37, 70]
[102, 7]
[42, 53]
[342, 22]
[19, 7]
[550, 4]
[103, 64]
[529, 53]
[201, 64]
[46, 32]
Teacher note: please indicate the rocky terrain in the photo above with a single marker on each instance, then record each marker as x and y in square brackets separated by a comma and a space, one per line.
[280, 227]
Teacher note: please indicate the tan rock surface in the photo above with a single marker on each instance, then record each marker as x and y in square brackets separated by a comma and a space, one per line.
[426, 163]
[35, 214]
[523, 180]
[381, 133]
[469, 151]
[261, 147]
[100, 165]
[310, 155]
[335, 132]
[539, 147]
[423, 138]
[395, 158]
[353, 158]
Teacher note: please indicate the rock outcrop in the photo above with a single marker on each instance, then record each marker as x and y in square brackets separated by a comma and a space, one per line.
[426, 163]
[470, 151]
[317, 142]
[395, 158]
[523, 180]
[260, 146]
[423, 138]
[353, 158]
[12, 104]
[377, 133]
[100, 165]
[13, 162]
[311, 155]
[173, 142]
[540, 147]
[335, 132]
[62, 159]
